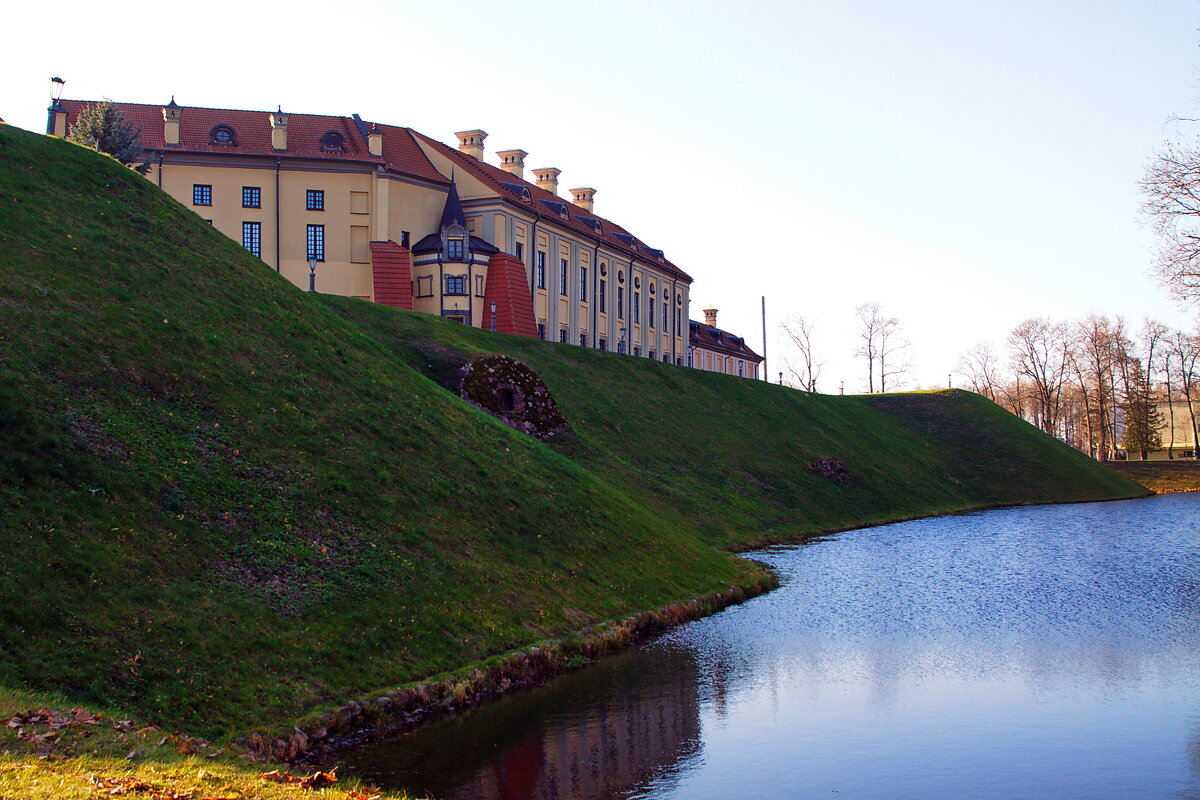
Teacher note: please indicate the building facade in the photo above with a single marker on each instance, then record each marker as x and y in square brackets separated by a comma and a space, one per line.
[1177, 430]
[387, 214]
[716, 350]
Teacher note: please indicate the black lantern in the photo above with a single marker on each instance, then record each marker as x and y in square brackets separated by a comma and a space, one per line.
[56, 90]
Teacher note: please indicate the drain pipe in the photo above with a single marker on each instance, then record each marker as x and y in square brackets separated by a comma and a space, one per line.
[278, 233]
[595, 292]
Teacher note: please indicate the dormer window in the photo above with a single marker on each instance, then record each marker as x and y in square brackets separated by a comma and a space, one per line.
[455, 248]
[223, 135]
[333, 142]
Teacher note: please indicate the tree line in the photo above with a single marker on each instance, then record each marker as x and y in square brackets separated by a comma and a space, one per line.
[1095, 383]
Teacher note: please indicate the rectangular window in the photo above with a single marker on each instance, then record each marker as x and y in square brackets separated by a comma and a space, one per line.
[637, 306]
[456, 284]
[562, 335]
[676, 320]
[666, 314]
[650, 308]
[454, 248]
[620, 302]
[562, 276]
[360, 244]
[600, 300]
[252, 237]
[404, 238]
[583, 284]
[541, 270]
[315, 200]
[583, 339]
[201, 194]
[520, 251]
[251, 197]
[602, 343]
[651, 355]
[425, 286]
[479, 286]
[316, 242]
[541, 330]
[637, 351]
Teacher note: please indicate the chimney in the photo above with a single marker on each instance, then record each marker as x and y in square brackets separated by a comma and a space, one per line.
[513, 162]
[710, 317]
[279, 125]
[471, 143]
[547, 178]
[582, 197]
[172, 116]
[375, 141]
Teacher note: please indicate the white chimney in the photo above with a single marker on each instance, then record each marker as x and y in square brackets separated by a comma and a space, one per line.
[471, 143]
[582, 197]
[513, 162]
[547, 178]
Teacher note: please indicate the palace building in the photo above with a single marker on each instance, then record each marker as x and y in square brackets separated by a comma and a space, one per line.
[715, 350]
[387, 214]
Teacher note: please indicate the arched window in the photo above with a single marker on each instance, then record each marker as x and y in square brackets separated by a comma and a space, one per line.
[333, 142]
[223, 135]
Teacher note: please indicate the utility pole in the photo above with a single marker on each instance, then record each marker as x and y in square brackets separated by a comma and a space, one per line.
[764, 324]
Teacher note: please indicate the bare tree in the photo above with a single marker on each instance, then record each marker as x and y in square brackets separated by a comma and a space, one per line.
[1171, 191]
[880, 344]
[981, 367]
[798, 330]
[1039, 354]
[871, 321]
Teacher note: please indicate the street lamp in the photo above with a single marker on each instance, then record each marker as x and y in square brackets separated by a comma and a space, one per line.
[312, 274]
[621, 343]
[56, 90]
[781, 379]
[493, 316]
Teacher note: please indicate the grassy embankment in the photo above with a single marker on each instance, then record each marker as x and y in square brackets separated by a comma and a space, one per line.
[226, 503]
[1162, 477]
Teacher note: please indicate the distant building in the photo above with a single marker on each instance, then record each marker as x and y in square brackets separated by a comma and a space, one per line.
[1178, 432]
[389, 215]
[715, 350]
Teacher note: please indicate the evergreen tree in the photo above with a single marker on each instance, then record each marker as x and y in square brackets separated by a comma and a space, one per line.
[102, 127]
[1143, 420]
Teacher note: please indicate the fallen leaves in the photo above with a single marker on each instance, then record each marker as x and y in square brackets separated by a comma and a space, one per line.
[315, 781]
[115, 787]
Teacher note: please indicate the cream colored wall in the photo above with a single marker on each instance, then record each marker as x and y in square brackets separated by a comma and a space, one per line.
[338, 274]
[468, 185]
[226, 211]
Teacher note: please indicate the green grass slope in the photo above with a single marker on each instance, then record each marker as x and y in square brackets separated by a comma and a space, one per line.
[225, 502]
[221, 504]
[732, 456]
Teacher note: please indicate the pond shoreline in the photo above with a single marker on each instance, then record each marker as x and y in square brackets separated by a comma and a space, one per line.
[405, 708]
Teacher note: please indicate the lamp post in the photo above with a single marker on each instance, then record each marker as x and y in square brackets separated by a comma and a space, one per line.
[312, 274]
[56, 90]
[621, 342]
[493, 316]
[781, 379]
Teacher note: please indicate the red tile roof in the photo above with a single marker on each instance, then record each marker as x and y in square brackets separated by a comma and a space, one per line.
[391, 273]
[506, 287]
[253, 131]
[610, 232]
[710, 338]
[401, 153]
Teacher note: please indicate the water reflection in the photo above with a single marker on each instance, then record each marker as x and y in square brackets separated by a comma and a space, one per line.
[590, 735]
[1037, 652]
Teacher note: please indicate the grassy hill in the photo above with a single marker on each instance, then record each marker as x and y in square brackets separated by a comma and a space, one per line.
[225, 502]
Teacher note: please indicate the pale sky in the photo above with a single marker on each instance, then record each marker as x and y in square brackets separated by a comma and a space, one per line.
[966, 164]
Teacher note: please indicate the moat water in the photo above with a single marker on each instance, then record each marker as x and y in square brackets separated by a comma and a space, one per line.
[1049, 652]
